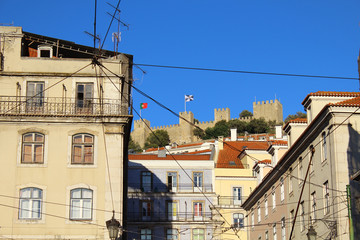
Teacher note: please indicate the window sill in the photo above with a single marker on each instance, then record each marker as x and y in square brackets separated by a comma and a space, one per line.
[30, 221]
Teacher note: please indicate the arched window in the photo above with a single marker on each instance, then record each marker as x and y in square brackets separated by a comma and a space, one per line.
[81, 204]
[82, 149]
[30, 203]
[32, 148]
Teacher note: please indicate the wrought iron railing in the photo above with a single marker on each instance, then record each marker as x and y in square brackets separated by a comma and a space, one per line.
[164, 188]
[230, 200]
[162, 217]
[12, 105]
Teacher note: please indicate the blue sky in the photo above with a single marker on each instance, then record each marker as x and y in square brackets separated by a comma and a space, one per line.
[319, 37]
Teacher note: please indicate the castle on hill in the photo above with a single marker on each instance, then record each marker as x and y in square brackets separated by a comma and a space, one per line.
[183, 132]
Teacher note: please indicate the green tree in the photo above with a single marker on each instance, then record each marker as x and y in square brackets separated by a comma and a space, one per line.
[160, 140]
[238, 124]
[199, 133]
[134, 146]
[258, 126]
[245, 113]
[297, 115]
[221, 128]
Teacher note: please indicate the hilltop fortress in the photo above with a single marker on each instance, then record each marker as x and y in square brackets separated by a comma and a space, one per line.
[184, 133]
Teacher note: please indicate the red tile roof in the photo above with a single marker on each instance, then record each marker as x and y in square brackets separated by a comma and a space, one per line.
[201, 151]
[232, 150]
[297, 120]
[279, 142]
[331, 94]
[353, 102]
[169, 157]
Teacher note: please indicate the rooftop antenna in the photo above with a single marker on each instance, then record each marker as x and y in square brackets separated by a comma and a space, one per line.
[95, 26]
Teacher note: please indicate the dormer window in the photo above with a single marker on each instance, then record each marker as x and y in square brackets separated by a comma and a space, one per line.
[45, 51]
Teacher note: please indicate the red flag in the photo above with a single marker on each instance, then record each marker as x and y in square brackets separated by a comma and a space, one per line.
[143, 105]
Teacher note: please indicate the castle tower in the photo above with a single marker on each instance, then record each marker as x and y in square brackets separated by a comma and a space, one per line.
[141, 131]
[221, 114]
[186, 133]
[270, 111]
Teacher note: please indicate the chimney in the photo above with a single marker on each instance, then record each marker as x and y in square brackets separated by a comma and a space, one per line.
[233, 135]
[278, 132]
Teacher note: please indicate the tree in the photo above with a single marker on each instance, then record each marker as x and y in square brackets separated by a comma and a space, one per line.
[221, 128]
[134, 146]
[160, 140]
[297, 115]
[258, 126]
[238, 124]
[199, 133]
[245, 113]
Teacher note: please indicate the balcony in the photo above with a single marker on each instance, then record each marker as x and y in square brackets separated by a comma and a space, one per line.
[61, 107]
[230, 201]
[162, 217]
[183, 188]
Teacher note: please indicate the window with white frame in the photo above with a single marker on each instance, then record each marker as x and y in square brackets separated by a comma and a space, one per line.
[172, 181]
[172, 234]
[198, 234]
[238, 219]
[302, 216]
[33, 148]
[34, 95]
[326, 197]
[81, 200]
[283, 231]
[198, 181]
[30, 203]
[273, 198]
[172, 210]
[313, 207]
[84, 96]
[237, 191]
[266, 235]
[82, 149]
[145, 234]
[252, 219]
[198, 210]
[290, 180]
[282, 189]
[324, 147]
[259, 212]
[274, 232]
[146, 181]
[301, 173]
[266, 206]
[292, 216]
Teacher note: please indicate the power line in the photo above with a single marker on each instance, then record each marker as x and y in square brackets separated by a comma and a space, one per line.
[246, 72]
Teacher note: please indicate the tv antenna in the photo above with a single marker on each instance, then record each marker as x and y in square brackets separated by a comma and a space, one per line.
[116, 36]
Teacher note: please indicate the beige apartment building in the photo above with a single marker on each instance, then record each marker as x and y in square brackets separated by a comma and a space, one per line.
[64, 127]
[330, 143]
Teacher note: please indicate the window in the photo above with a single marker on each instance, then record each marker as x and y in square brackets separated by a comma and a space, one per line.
[172, 181]
[313, 207]
[146, 209]
[145, 234]
[324, 148]
[282, 190]
[273, 198]
[45, 51]
[198, 234]
[146, 181]
[172, 234]
[302, 216]
[81, 204]
[267, 235]
[301, 174]
[274, 231]
[82, 149]
[283, 231]
[266, 205]
[292, 216]
[32, 148]
[34, 95]
[198, 181]
[172, 209]
[84, 95]
[238, 220]
[237, 195]
[259, 212]
[326, 197]
[198, 210]
[30, 203]
[290, 180]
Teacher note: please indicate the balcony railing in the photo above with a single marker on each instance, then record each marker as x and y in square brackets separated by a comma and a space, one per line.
[52, 106]
[230, 201]
[164, 189]
[161, 217]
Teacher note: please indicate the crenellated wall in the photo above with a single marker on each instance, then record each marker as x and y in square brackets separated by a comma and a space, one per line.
[184, 132]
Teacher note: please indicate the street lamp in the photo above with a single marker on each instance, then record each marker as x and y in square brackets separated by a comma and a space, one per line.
[113, 227]
[311, 234]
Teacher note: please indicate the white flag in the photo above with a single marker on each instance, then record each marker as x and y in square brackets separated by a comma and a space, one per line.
[189, 98]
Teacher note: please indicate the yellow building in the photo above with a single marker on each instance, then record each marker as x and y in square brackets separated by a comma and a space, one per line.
[234, 181]
[64, 125]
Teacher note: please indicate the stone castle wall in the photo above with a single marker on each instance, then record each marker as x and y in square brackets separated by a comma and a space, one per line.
[184, 132]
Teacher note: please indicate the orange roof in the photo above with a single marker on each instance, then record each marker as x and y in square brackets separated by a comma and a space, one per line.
[353, 102]
[297, 120]
[154, 149]
[232, 150]
[168, 157]
[331, 94]
[201, 151]
[266, 161]
[278, 142]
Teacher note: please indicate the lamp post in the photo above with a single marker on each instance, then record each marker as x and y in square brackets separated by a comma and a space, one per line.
[113, 227]
[311, 234]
